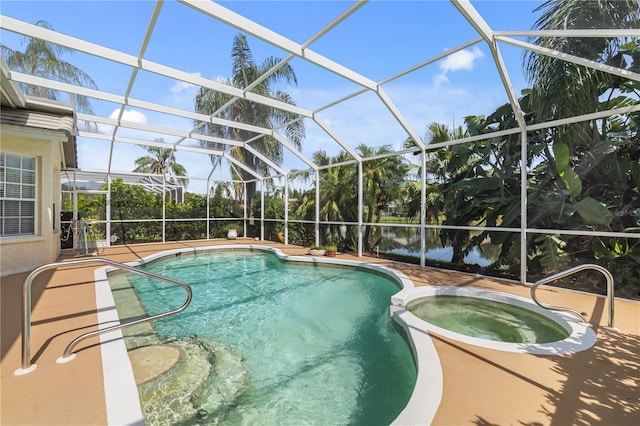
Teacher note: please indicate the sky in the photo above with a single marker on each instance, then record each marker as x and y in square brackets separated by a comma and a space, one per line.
[380, 40]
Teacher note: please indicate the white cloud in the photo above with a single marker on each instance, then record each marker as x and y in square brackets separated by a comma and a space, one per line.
[181, 86]
[461, 60]
[181, 95]
[439, 79]
[130, 115]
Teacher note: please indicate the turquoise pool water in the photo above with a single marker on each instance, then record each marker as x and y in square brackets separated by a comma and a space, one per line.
[317, 342]
[487, 319]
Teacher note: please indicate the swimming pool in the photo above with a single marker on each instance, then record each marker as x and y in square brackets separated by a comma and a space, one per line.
[314, 343]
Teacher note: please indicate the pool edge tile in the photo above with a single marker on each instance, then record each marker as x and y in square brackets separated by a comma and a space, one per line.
[121, 392]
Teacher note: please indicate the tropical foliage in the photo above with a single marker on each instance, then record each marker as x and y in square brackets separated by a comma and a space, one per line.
[43, 59]
[589, 176]
[162, 161]
[248, 75]
[136, 214]
[382, 179]
[579, 176]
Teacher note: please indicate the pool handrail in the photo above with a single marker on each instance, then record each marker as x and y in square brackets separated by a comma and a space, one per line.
[571, 271]
[27, 367]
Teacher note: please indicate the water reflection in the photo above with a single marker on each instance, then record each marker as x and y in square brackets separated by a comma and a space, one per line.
[406, 242]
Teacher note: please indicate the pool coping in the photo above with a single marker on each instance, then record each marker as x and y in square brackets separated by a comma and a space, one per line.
[121, 392]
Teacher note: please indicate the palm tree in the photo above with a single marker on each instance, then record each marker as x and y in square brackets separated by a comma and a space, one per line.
[562, 89]
[42, 59]
[446, 197]
[382, 179]
[244, 72]
[162, 161]
[337, 195]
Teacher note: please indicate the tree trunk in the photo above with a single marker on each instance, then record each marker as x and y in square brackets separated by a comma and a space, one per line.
[250, 196]
[122, 230]
[367, 230]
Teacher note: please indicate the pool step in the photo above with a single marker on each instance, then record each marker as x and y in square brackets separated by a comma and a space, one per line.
[186, 380]
[228, 382]
[130, 308]
[203, 385]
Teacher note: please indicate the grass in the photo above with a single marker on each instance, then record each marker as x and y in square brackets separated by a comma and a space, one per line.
[399, 220]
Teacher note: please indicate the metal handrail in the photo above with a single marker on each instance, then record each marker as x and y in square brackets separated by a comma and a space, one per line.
[570, 271]
[27, 367]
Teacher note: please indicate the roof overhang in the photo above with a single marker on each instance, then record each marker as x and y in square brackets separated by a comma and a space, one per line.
[28, 114]
[37, 124]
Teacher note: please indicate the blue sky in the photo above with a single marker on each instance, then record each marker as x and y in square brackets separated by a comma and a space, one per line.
[380, 40]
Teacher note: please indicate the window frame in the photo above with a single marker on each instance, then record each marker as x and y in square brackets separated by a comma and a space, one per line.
[20, 199]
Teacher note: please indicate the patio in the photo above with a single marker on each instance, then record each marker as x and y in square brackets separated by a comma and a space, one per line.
[481, 386]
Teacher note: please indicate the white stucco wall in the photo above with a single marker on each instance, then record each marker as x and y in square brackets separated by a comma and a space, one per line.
[24, 253]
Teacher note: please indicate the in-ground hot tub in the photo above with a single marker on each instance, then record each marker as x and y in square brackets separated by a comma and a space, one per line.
[494, 320]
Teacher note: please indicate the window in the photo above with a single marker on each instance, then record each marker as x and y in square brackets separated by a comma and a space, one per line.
[17, 194]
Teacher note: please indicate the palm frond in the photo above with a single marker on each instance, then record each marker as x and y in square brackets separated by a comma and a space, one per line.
[43, 59]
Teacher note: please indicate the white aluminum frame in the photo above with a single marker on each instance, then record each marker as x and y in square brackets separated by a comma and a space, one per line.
[492, 39]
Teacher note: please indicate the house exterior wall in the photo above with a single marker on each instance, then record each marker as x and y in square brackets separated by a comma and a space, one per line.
[25, 253]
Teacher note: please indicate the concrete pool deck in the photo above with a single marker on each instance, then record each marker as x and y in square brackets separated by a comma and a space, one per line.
[480, 386]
